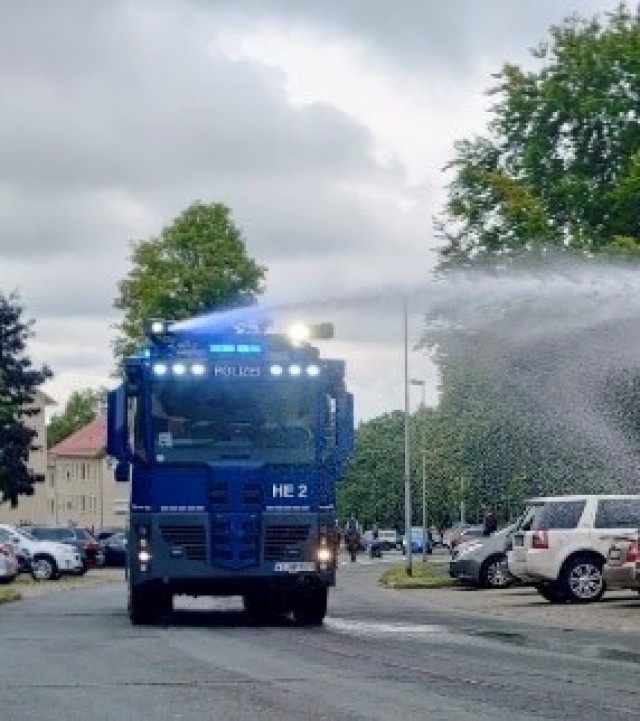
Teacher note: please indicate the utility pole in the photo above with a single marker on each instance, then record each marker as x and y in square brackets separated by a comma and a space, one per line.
[423, 405]
[407, 445]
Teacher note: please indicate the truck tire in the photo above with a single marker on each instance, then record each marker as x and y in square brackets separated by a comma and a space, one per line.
[147, 607]
[310, 607]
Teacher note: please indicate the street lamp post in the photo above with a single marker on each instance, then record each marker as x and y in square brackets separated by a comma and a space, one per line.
[407, 445]
[422, 384]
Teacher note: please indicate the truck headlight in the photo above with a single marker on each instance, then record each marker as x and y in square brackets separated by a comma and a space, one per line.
[325, 554]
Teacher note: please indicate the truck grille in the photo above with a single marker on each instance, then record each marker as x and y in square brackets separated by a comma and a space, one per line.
[236, 543]
[285, 542]
[192, 539]
[219, 493]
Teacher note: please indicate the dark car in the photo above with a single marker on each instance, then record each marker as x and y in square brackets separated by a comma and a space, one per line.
[90, 550]
[105, 533]
[115, 549]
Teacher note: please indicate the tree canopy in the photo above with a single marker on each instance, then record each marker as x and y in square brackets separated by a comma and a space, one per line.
[81, 408]
[533, 399]
[197, 264]
[560, 164]
[19, 382]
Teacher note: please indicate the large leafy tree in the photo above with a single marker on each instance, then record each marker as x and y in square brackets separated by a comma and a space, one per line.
[197, 264]
[560, 164]
[558, 167]
[18, 384]
[81, 408]
[372, 488]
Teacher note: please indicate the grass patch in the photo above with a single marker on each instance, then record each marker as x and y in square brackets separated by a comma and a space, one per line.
[9, 594]
[425, 575]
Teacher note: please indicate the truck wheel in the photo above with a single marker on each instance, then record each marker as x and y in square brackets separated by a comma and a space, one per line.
[264, 608]
[44, 568]
[147, 607]
[310, 607]
[581, 579]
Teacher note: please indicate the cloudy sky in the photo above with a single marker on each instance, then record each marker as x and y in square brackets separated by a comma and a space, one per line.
[323, 125]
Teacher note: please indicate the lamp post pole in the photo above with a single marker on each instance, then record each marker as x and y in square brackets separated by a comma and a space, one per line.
[407, 445]
[422, 384]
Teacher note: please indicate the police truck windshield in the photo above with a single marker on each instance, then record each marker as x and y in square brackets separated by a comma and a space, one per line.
[198, 422]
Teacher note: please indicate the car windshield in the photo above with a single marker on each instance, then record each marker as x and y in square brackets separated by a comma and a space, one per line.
[264, 422]
[25, 534]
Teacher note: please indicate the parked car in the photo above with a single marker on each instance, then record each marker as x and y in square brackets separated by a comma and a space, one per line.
[23, 556]
[563, 542]
[417, 541]
[48, 559]
[115, 550]
[466, 535]
[388, 539]
[105, 533]
[89, 549]
[8, 563]
[483, 561]
[622, 569]
[452, 533]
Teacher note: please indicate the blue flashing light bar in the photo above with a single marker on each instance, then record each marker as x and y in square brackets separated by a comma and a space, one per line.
[241, 348]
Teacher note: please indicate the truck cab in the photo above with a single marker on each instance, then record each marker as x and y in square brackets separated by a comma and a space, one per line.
[233, 444]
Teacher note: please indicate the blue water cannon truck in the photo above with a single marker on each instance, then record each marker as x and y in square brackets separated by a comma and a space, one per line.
[232, 442]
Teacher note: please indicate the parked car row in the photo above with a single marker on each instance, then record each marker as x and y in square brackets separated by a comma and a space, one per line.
[48, 552]
[45, 559]
[569, 548]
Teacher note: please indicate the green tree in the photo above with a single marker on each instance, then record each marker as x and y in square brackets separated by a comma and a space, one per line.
[560, 164]
[18, 384]
[197, 264]
[372, 488]
[81, 408]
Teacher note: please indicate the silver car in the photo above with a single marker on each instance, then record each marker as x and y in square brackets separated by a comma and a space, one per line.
[8, 563]
[483, 561]
[622, 569]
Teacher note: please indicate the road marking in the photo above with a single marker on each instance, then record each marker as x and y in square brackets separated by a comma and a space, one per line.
[368, 628]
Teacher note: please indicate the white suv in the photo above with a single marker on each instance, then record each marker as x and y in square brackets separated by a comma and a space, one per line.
[48, 559]
[561, 543]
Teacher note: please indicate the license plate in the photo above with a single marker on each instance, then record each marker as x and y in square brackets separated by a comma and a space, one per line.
[295, 566]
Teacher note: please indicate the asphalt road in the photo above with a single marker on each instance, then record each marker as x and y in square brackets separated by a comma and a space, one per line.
[381, 655]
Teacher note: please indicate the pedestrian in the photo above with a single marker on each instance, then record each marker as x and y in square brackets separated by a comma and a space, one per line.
[490, 522]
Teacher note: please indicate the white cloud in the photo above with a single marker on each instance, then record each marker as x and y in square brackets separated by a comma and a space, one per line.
[323, 126]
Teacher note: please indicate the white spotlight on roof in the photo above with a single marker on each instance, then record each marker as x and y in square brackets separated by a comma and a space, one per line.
[160, 369]
[299, 333]
[295, 370]
[179, 369]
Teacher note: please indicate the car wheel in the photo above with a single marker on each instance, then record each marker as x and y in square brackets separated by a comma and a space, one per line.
[44, 568]
[582, 580]
[494, 573]
[551, 592]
